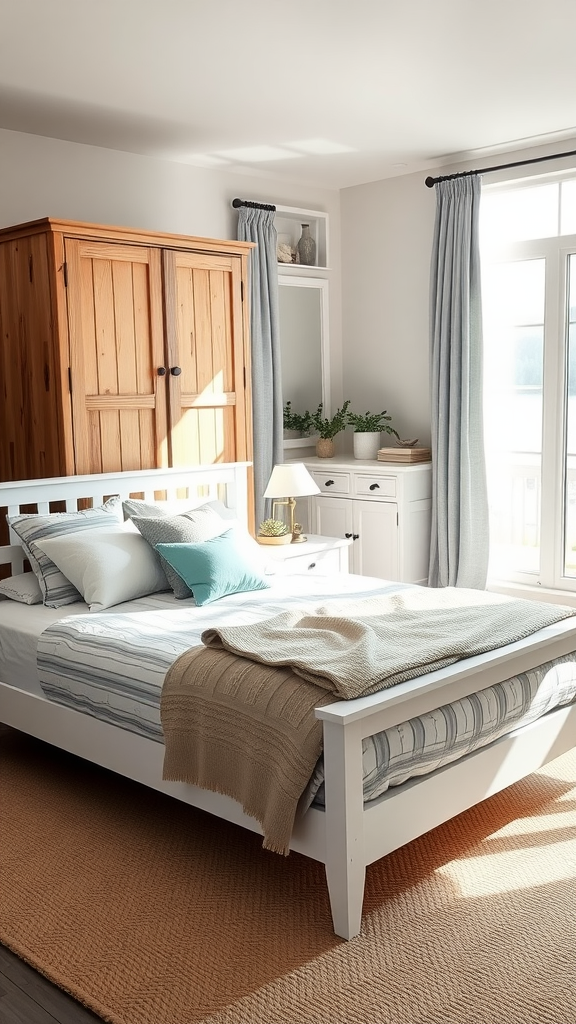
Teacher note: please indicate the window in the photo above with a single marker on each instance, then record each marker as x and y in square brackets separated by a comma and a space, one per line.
[528, 243]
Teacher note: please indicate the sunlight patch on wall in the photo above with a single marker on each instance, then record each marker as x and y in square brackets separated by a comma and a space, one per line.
[320, 147]
[257, 154]
[267, 154]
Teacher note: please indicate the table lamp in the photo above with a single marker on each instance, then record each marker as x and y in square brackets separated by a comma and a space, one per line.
[293, 479]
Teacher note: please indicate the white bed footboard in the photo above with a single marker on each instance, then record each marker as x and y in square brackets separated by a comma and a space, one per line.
[357, 834]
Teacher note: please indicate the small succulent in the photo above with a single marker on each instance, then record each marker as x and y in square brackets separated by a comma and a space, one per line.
[273, 528]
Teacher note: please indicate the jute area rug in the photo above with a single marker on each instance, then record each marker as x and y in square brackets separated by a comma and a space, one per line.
[150, 912]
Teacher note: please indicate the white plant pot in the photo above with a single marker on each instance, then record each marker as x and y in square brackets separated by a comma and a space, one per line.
[366, 444]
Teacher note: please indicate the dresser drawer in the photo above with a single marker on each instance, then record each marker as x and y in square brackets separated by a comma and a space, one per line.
[322, 563]
[369, 486]
[332, 483]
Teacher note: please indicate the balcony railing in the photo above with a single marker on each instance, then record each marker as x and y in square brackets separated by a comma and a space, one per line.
[514, 492]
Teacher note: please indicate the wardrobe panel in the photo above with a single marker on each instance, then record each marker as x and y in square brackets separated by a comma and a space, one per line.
[204, 344]
[29, 421]
[116, 349]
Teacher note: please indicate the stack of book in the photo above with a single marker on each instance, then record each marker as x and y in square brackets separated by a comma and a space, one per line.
[405, 455]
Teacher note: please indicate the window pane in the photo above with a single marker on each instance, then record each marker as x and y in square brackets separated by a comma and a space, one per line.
[568, 208]
[570, 464]
[520, 214]
[513, 308]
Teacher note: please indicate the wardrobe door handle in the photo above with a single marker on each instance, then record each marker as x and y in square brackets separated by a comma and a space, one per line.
[374, 487]
[347, 535]
[175, 371]
[355, 536]
[161, 371]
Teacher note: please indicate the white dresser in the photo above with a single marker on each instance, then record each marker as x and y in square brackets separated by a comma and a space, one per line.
[384, 508]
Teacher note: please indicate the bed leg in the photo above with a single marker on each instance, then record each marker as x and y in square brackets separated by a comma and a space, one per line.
[345, 858]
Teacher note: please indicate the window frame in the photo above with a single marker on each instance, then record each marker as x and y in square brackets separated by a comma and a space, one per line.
[555, 251]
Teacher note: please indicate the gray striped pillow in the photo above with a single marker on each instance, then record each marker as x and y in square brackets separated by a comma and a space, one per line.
[56, 589]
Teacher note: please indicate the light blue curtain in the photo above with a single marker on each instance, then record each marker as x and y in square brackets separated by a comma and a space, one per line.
[459, 540]
[257, 225]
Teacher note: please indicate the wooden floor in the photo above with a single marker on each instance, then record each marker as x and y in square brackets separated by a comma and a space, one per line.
[26, 997]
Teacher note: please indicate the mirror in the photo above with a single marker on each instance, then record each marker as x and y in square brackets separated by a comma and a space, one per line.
[303, 308]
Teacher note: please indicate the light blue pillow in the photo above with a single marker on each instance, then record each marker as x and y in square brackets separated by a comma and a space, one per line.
[213, 568]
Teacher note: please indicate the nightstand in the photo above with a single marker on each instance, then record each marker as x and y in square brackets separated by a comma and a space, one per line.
[322, 555]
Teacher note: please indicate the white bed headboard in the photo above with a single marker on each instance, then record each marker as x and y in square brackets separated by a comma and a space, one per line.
[226, 481]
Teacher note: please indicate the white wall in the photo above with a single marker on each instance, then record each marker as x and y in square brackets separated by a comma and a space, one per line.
[387, 231]
[386, 239]
[42, 177]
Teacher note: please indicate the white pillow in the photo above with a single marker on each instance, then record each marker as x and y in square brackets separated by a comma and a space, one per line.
[24, 588]
[56, 589]
[254, 553]
[108, 566]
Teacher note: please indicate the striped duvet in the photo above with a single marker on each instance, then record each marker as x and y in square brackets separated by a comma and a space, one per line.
[112, 665]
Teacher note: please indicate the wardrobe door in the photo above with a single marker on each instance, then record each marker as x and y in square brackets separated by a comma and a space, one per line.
[117, 365]
[208, 361]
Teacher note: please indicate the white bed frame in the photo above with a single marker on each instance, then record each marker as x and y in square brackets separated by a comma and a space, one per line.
[348, 835]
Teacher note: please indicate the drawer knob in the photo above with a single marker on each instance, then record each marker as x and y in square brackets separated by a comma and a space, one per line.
[161, 371]
[328, 483]
[312, 565]
[374, 487]
[175, 371]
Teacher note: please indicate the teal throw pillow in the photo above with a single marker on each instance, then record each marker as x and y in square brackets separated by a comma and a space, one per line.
[213, 568]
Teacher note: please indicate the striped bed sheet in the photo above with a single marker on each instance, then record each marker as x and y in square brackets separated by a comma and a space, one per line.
[112, 665]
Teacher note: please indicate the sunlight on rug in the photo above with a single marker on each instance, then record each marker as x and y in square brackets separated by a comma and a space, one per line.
[150, 912]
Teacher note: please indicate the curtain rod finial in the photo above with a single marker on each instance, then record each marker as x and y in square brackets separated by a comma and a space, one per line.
[429, 182]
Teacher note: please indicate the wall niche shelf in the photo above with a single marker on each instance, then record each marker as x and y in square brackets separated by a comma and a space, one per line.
[288, 222]
[301, 442]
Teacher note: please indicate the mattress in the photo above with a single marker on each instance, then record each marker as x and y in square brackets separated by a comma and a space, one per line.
[20, 627]
[111, 665]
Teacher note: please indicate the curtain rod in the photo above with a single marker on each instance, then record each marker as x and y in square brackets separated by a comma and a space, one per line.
[499, 167]
[254, 206]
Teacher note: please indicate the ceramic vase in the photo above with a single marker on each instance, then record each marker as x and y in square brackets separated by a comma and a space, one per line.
[366, 444]
[307, 247]
[325, 447]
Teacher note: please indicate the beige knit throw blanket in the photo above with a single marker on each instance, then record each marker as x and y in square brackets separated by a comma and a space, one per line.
[245, 726]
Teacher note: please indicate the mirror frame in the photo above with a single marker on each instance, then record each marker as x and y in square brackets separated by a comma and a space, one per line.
[321, 284]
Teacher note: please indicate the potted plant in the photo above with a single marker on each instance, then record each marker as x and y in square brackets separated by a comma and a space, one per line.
[296, 424]
[368, 428]
[273, 531]
[327, 427]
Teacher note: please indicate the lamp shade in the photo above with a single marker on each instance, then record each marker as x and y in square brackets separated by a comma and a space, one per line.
[290, 479]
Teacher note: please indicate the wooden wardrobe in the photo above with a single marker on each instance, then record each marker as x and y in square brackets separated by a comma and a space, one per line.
[121, 349]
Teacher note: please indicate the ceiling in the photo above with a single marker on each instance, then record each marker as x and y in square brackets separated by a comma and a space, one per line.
[321, 92]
